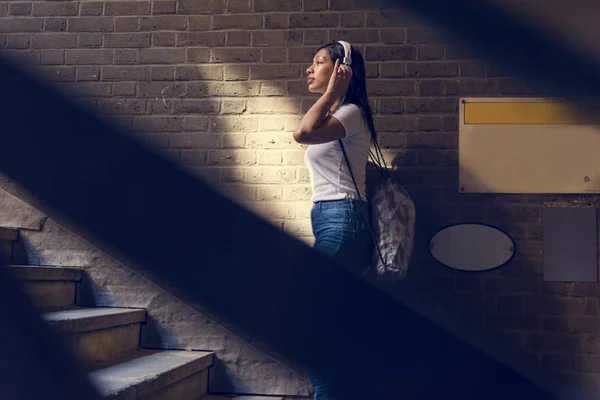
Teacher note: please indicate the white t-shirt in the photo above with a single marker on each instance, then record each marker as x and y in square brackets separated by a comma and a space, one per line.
[329, 173]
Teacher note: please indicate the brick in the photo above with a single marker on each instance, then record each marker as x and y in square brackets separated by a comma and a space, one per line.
[301, 54]
[58, 9]
[233, 106]
[512, 87]
[233, 141]
[234, 55]
[55, 74]
[391, 106]
[470, 87]
[500, 213]
[89, 56]
[271, 124]
[125, 73]
[3, 9]
[198, 89]
[266, 175]
[297, 193]
[90, 24]
[196, 107]
[233, 124]
[440, 105]
[18, 24]
[17, 41]
[55, 24]
[555, 362]
[315, 5]
[195, 124]
[52, 57]
[430, 141]
[127, 40]
[158, 124]
[586, 363]
[199, 23]
[239, 6]
[430, 88]
[554, 288]
[200, 7]
[393, 70]
[276, 38]
[236, 72]
[585, 289]
[202, 39]
[127, 24]
[194, 157]
[161, 89]
[274, 71]
[162, 106]
[585, 324]
[556, 324]
[472, 69]
[458, 52]
[54, 41]
[277, 21]
[163, 22]
[353, 19]
[252, 21]
[207, 72]
[198, 55]
[19, 9]
[122, 106]
[162, 39]
[194, 140]
[271, 192]
[394, 36]
[391, 88]
[272, 89]
[293, 157]
[237, 38]
[232, 157]
[281, 5]
[163, 7]
[355, 36]
[510, 304]
[125, 56]
[388, 53]
[90, 40]
[161, 56]
[127, 8]
[316, 36]
[91, 8]
[274, 54]
[352, 5]
[270, 141]
[314, 20]
[273, 106]
[425, 36]
[87, 74]
[555, 306]
[87, 89]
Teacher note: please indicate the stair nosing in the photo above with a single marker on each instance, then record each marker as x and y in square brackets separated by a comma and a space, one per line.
[45, 273]
[151, 382]
[76, 321]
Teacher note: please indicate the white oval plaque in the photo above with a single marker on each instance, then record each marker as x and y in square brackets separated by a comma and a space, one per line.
[472, 247]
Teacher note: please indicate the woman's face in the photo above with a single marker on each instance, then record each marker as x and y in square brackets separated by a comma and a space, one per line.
[319, 72]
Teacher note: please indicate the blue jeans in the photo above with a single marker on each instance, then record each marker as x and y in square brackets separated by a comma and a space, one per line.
[341, 230]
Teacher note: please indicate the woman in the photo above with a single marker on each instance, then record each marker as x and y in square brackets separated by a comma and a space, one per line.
[339, 216]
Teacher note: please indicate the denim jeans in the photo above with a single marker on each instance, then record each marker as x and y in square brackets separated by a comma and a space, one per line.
[341, 230]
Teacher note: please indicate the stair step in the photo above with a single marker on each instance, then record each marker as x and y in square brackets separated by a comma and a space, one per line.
[158, 375]
[48, 287]
[44, 273]
[98, 334]
[233, 397]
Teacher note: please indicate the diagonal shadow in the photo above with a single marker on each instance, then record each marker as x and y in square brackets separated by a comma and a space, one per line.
[266, 283]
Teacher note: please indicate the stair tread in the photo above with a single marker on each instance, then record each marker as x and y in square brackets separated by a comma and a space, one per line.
[88, 319]
[45, 273]
[150, 372]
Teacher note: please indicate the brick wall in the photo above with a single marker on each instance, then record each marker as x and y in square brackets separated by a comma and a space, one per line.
[218, 86]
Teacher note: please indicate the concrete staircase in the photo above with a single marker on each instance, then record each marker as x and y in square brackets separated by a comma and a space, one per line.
[106, 341]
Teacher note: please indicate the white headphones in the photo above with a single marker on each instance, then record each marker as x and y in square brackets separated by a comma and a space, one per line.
[347, 61]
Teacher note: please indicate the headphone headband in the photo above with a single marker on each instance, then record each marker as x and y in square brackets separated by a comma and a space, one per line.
[347, 52]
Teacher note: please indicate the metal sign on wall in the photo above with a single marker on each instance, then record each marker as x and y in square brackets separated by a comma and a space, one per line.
[526, 145]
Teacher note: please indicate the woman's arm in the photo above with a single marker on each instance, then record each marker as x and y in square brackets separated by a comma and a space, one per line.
[316, 127]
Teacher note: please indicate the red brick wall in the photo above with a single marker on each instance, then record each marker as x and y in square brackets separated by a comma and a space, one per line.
[218, 85]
